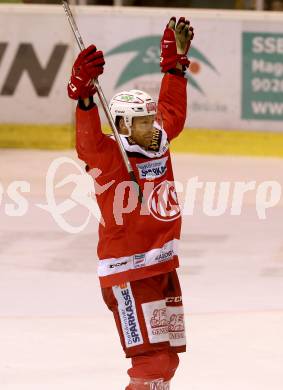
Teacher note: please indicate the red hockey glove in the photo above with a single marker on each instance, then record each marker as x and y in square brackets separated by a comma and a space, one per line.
[88, 66]
[175, 44]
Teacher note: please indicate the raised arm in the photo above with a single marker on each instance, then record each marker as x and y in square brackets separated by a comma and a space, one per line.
[172, 103]
[93, 147]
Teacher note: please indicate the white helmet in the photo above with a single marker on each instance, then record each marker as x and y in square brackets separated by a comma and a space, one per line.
[130, 104]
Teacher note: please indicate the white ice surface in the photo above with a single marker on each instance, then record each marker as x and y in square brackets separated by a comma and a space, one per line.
[55, 331]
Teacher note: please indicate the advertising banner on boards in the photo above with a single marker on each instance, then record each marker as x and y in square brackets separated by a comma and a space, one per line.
[235, 79]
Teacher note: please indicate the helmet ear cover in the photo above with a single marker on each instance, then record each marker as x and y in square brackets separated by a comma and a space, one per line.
[127, 123]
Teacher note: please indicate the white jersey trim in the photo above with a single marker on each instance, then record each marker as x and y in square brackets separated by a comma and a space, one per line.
[164, 145]
[113, 266]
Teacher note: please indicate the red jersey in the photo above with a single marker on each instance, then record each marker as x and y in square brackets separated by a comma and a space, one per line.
[136, 240]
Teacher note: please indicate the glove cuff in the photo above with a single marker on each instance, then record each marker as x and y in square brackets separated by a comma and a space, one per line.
[171, 63]
[83, 107]
[183, 60]
[176, 72]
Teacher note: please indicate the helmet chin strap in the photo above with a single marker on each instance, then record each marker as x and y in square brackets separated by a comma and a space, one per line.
[155, 141]
[128, 124]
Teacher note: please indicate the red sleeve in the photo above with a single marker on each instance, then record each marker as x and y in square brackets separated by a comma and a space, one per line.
[93, 147]
[172, 104]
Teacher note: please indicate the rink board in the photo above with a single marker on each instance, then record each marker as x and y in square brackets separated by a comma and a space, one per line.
[235, 80]
[210, 141]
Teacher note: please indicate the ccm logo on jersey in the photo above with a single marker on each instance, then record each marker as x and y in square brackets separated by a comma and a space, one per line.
[174, 299]
[118, 264]
[152, 169]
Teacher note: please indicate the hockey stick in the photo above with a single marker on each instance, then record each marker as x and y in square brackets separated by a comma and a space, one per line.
[103, 101]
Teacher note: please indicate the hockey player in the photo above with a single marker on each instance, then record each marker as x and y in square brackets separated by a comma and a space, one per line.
[137, 246]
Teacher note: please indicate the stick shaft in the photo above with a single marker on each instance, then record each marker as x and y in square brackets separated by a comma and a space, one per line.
[102, 98]
[73, 25]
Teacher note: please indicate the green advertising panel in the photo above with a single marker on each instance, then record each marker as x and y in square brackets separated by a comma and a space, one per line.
[262, 76]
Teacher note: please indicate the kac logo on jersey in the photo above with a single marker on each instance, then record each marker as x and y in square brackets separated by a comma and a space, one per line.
[163, 202]
[152, 169]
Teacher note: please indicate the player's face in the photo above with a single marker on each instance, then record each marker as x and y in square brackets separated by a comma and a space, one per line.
[142, 130]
